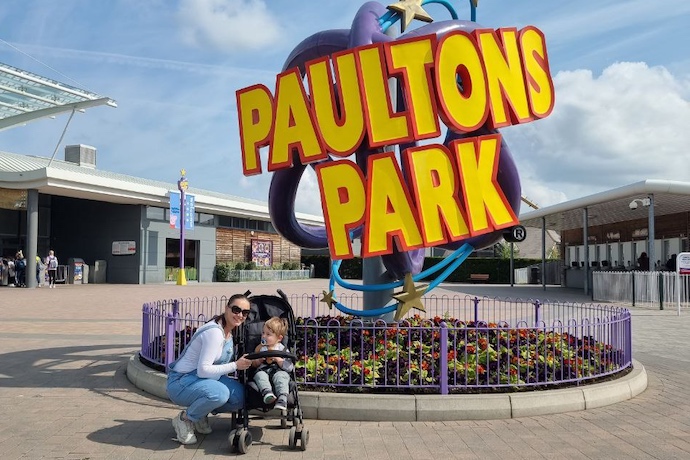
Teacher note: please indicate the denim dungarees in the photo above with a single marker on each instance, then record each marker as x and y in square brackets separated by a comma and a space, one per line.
[202, 396]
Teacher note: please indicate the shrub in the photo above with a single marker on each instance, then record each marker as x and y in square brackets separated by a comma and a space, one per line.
[287, 266]
[250, 265]
[223, 272]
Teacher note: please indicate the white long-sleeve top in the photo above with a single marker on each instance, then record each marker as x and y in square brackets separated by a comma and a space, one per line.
[200, 354]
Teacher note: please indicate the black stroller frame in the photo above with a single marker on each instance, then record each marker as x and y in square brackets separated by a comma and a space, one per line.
[248, 336]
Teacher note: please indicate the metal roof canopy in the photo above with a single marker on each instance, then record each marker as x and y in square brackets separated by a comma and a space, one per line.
[26, 97]
[612, 206]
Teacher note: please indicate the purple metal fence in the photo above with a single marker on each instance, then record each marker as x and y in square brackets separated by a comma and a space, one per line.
[460, 344]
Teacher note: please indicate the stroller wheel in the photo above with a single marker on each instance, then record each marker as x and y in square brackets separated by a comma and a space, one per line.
[292, 438]
[232, 441]
[283, 422]
[304, 439]
[244, 441]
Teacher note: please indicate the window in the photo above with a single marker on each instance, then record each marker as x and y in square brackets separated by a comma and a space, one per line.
[205, 219]
[155, 213]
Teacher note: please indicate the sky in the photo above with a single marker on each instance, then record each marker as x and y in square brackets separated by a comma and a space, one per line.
[621, 71]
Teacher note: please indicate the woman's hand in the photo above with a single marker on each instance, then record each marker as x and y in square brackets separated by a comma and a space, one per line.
[243, 363]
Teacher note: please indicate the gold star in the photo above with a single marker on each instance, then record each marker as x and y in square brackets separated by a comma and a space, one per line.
[410, 9]
[328, 298]
[409, 297]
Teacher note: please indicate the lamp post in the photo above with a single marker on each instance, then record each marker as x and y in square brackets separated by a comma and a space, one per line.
[182, 185]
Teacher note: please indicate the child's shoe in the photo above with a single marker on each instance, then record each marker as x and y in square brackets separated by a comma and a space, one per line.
[281, 403]
[268, 396]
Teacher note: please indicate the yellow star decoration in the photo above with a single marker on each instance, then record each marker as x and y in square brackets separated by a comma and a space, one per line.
[328, 298]
[410, 9]
[183, 172]
[409, 297]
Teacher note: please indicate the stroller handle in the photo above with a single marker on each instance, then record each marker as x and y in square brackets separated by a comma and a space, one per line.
[271, 354]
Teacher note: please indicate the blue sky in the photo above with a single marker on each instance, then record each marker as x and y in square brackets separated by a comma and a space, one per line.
[621, 70]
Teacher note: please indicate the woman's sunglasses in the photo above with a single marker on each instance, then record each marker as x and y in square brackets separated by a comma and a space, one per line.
[237, 310]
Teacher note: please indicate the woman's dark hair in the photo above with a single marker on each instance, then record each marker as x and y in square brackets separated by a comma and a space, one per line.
[221, 318]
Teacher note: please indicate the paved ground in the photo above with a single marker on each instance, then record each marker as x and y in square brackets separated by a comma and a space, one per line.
[64, 395]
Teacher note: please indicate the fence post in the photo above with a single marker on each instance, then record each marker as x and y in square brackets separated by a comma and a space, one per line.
[537, 312]
[145, 328]
[313, 306]
[633, 288]
[476, 309]
[170, 330]
[661, 290]
[444, 359]
[176, 307]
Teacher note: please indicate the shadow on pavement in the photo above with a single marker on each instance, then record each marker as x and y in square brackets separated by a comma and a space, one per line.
[91, 367]
[158, 435]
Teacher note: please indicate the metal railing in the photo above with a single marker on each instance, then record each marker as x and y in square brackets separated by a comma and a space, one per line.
[662, 289]
[488, 344]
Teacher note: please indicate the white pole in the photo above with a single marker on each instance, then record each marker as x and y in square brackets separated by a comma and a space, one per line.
[682, 267]
[677, 290]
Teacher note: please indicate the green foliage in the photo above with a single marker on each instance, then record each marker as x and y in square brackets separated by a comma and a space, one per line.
[223, 271]
[250, 265]
[287, 266]
[503, 250]
[498, 269]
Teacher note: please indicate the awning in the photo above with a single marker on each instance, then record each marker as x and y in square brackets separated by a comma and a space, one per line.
[26, 97]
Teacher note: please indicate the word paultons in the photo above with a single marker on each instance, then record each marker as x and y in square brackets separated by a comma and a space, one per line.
[465, 80]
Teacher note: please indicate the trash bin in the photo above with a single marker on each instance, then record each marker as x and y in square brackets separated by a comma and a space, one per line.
[534, 275]
[99, 270]
[85, 277]
[75, 270]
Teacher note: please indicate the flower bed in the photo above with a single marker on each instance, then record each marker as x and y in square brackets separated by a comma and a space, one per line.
[430, 355]
[419, 354]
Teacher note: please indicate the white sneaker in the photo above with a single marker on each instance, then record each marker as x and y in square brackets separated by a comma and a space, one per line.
[202, 426]
[184, 429]
[281, 403]
[269, 397]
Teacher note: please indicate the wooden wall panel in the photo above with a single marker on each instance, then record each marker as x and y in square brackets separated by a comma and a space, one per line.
[234, 245]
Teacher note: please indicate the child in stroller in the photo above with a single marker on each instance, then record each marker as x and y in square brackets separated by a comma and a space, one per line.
[272, 373]
[265, 308]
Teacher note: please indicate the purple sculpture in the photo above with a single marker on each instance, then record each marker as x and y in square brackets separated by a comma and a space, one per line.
[367, 30]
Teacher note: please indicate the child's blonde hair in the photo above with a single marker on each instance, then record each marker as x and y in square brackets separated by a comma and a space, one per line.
[277, 325]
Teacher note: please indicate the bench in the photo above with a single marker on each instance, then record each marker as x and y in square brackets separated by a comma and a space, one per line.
[476, 277]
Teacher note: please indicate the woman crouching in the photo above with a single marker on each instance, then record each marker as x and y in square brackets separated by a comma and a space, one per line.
[198, 379]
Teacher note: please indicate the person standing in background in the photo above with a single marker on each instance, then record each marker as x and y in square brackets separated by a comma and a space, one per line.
[39, 267]
[52, 264]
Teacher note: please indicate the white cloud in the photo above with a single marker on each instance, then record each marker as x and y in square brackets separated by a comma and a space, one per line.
[228, 25]
[626, 125]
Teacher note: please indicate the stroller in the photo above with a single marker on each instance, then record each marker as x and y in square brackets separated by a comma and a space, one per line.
[264, 307]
